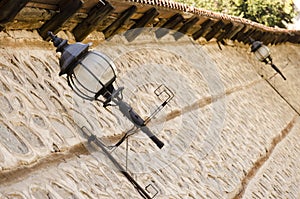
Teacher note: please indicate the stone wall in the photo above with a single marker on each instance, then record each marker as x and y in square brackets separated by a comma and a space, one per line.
[228, 132]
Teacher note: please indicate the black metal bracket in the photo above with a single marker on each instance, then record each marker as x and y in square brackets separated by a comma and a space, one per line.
[147, 188]
[162, 90]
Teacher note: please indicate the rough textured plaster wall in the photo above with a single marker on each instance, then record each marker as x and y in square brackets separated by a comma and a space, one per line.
[279, 177]
[232, 134]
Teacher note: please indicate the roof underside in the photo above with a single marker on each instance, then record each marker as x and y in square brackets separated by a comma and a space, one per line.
[81, 17]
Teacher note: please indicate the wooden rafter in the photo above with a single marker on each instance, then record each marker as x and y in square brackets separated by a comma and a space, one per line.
[282, 38]
[245, 36]
[171, 23]
[9, 9]
[67, 9]
[136, 29]
[96, 15]
[186, 27]
[117, 24]
[236, 31]
[202, 29]
[225, 31]
[216, 28]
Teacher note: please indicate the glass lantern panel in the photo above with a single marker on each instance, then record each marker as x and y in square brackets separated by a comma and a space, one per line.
[79, 89]
[262, 53]
[93, 73]
[100, 66]
[85, 81]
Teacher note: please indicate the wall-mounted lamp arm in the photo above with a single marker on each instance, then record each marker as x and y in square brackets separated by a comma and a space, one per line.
[129, 113]
[278, 71]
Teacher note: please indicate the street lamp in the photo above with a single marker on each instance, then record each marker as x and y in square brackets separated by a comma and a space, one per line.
[262, 53]
[91, 75]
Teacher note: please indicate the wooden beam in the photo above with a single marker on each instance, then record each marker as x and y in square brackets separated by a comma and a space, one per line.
[169, 24]
[214, 30]
[9, 9]
[255, 34]
[295, 38]
[117, 24]
[268, 38]
[246, 35]
[42, 5]
[136, 29]
[283, 38]
[67, 9]
[95, 16]
[237, 31]
[234, 31]
[202, 29]
[225, 30]
[239, 37]
[185, 28]
[277, 39]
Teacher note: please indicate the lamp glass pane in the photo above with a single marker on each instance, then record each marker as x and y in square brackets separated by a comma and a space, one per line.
[100, 66]
[262, 53]
[85, 82]
[92, 73]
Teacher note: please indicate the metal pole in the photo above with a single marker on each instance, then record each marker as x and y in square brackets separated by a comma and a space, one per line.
[127, 152]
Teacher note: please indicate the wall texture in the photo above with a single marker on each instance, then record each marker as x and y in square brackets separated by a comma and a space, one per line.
[228, 133]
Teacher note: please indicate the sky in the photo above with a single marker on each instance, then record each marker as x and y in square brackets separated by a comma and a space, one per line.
[297, 23]
[297, 2]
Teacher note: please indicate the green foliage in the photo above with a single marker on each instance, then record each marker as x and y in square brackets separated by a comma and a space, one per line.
[268, 12]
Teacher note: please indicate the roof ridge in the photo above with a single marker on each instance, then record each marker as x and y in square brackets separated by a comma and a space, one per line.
[211, 14]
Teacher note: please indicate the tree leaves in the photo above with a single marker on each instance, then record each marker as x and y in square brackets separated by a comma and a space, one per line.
[268, 12]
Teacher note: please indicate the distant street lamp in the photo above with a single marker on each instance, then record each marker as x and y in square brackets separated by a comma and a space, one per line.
[262, 53]
[91, 75]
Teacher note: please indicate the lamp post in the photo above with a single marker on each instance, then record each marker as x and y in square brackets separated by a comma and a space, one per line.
[262, 53]
[91, 75]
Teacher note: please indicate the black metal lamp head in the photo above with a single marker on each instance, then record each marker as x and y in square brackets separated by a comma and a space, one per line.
[70, 53]
[90, 74]
[255, 44]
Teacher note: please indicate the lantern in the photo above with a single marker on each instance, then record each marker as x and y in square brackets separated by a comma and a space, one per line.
[90, 74]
